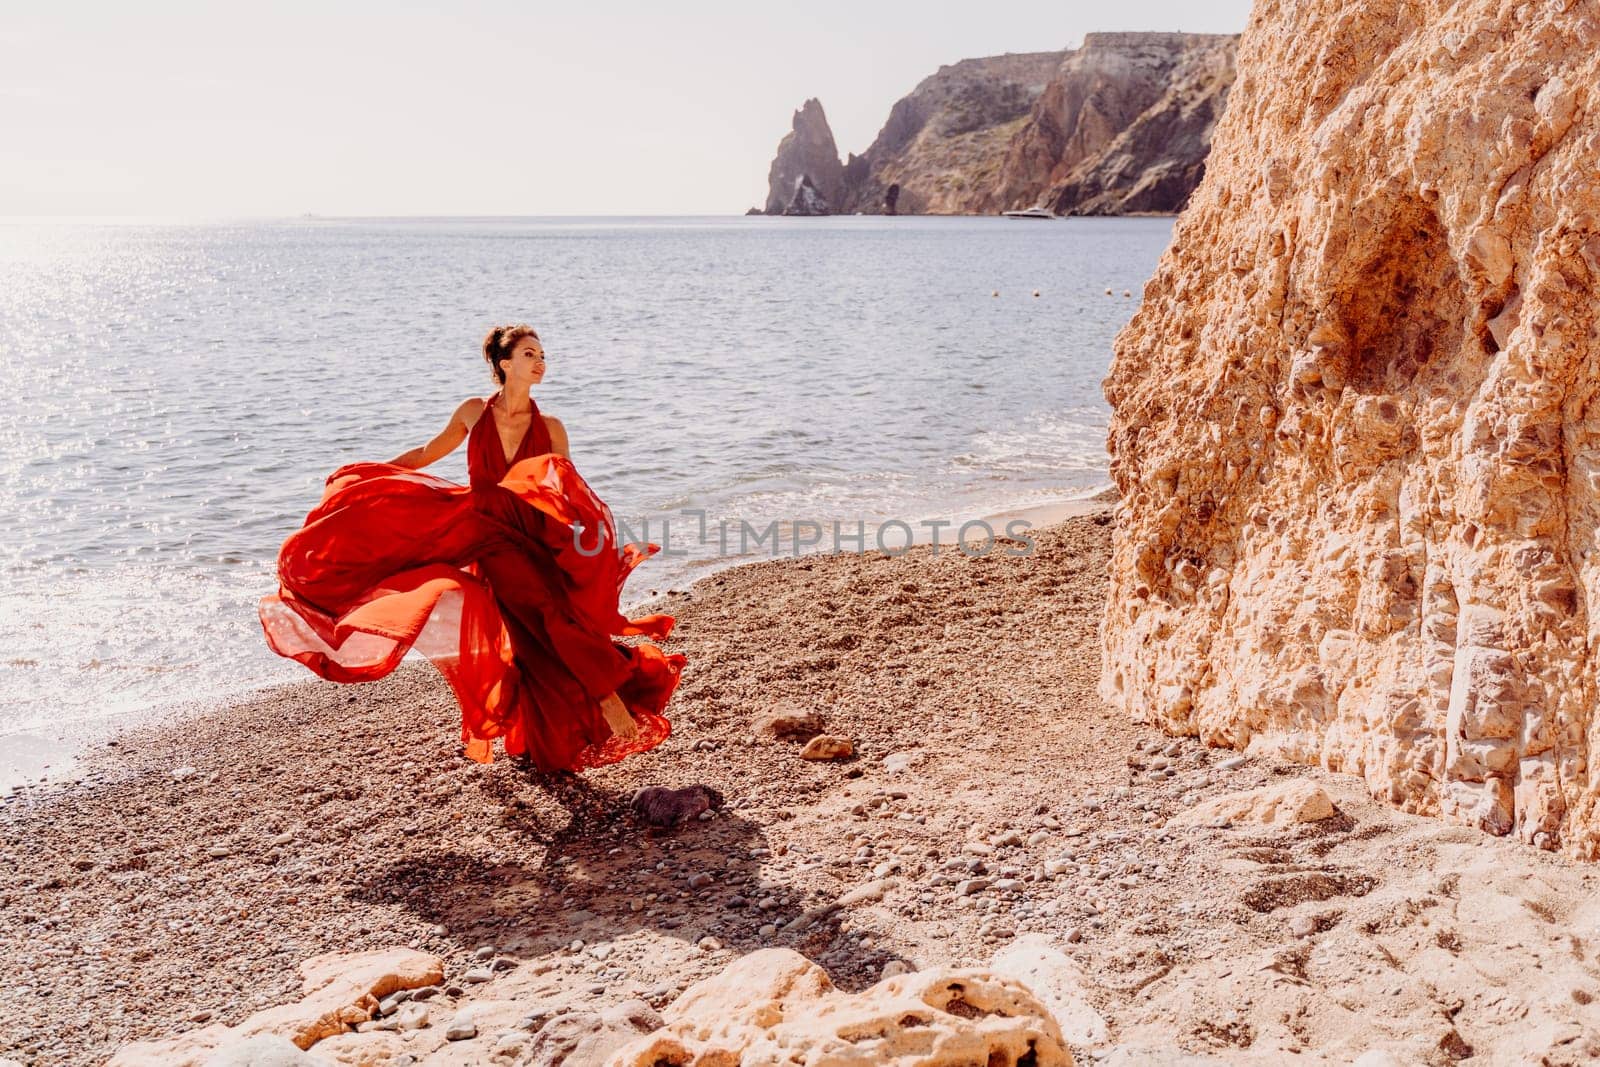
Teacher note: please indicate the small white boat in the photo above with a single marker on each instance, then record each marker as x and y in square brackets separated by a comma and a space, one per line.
[1030, 213]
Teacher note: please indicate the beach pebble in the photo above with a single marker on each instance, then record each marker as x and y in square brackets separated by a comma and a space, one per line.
[184, 772]
[509, 1044]
[535, 1019]
[1232, 763]
[827, 747]
[700, 881]
[968, 887]
[790, 721]
[898, 762]
[767, 931]
[427, 992]
[708, 944]
[411, 1017]
[477, 975]
[461, 1028]
[894, 968]
[483, 952]
[391, 1003]
[1303, 925]
[601, 952]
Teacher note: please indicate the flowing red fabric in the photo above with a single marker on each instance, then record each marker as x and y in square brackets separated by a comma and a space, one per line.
[510, 585]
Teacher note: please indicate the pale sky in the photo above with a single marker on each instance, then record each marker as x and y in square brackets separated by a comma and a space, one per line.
[391, 107]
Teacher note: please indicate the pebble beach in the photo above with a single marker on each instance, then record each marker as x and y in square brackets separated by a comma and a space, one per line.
[989, 797]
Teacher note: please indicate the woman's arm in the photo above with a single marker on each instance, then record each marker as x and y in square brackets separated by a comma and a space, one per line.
[447, 439]
[558, 436]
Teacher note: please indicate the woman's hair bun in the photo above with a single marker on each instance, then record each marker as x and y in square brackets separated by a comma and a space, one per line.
[499, 343]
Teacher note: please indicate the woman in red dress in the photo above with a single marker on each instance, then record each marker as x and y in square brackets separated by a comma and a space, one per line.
[509, 585]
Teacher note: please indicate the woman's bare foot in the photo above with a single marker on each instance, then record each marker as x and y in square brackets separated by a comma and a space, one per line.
[619, 718]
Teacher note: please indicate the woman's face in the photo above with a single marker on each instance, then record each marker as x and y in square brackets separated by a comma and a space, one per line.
[526, 363]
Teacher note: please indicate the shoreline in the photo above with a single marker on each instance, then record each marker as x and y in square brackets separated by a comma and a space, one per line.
[26, 755]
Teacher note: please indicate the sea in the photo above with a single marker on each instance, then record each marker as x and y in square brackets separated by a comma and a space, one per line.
[173, 395]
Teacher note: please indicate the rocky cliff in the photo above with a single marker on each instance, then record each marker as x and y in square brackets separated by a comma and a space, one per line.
[1356, 428]
[806, 167]
[941, 149]
[1123, 127]
[1119, 125]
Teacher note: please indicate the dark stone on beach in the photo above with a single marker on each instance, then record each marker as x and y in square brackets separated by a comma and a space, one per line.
[660, 806]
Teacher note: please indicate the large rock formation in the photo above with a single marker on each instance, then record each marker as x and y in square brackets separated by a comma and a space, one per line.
[1123, 127]
[943, 144]
[1355, 426]
[1120, 125]
[806, 156]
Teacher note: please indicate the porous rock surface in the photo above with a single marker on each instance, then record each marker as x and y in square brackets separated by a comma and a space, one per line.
[1283, 804]
[1355, 429]
[340, 990]
[774, 1007]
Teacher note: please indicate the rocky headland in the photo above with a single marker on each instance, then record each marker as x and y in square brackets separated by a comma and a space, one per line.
[1119, 126]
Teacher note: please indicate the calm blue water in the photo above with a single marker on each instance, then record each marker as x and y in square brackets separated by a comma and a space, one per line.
[171, 398]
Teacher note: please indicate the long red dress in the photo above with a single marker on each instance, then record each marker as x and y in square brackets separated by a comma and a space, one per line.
[509, 585]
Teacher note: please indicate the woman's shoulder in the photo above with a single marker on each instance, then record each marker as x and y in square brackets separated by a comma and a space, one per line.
[471, 410]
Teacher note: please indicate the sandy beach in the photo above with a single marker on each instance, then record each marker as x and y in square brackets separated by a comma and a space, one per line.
[992, 796]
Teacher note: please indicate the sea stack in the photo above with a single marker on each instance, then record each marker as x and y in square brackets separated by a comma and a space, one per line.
[1355, 427]
[807, 157]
